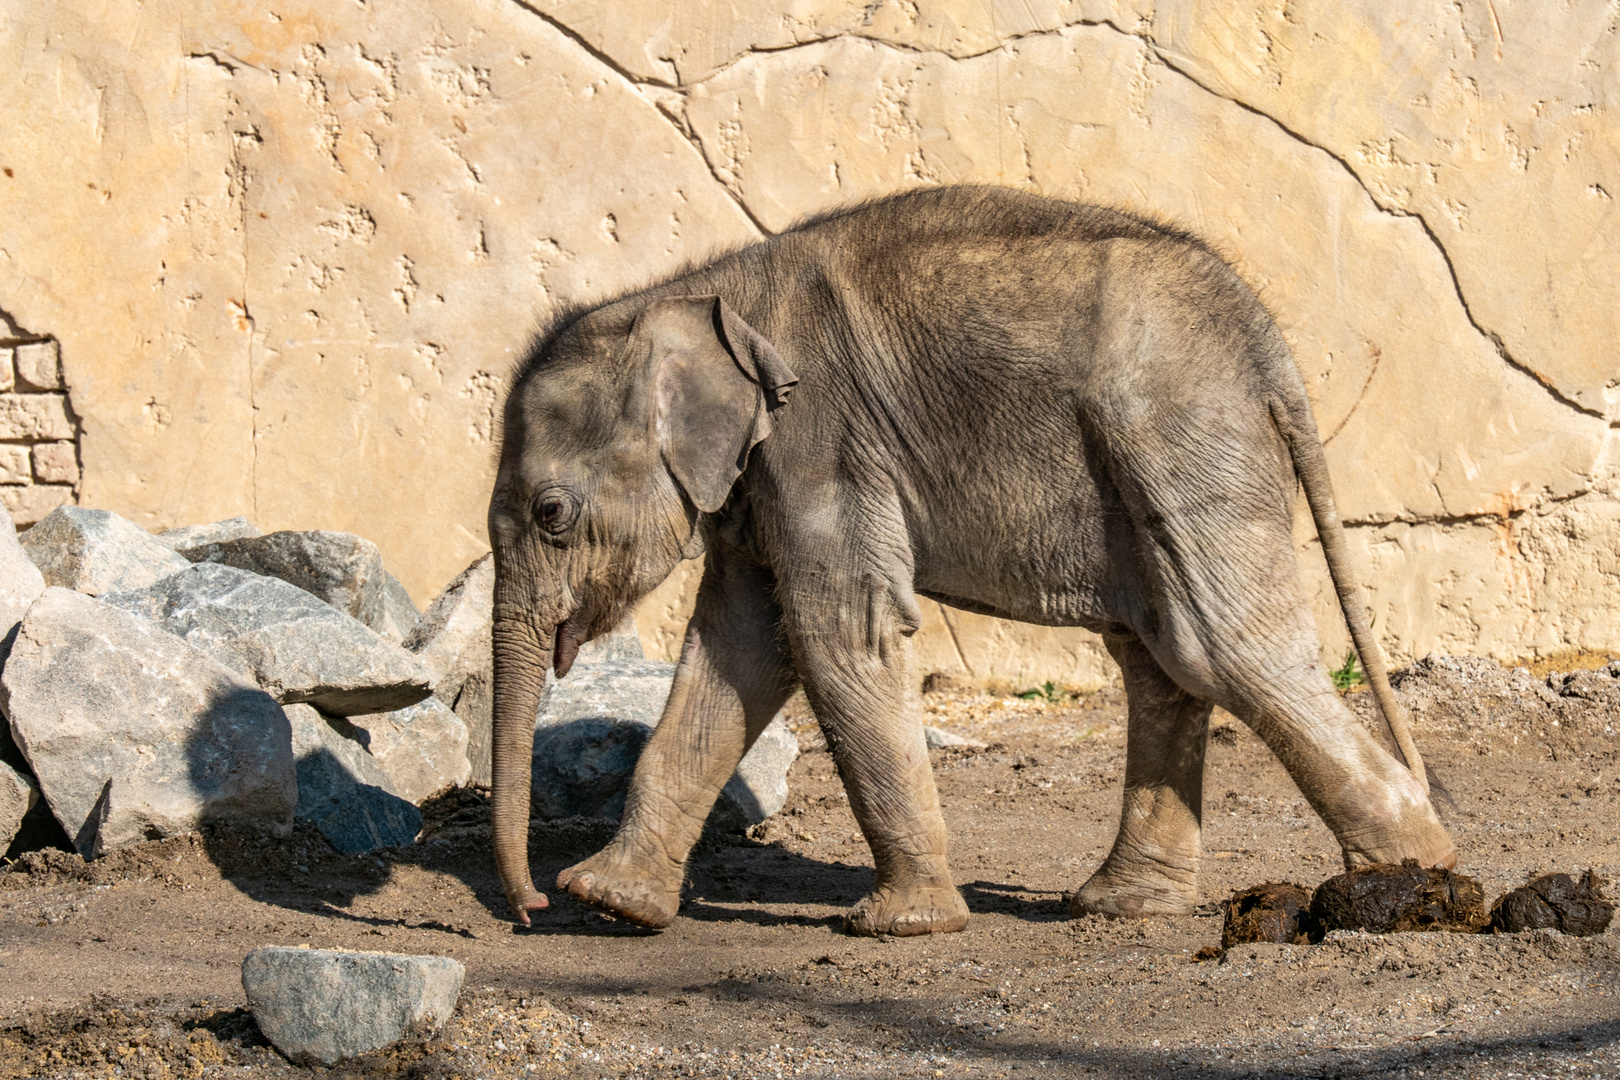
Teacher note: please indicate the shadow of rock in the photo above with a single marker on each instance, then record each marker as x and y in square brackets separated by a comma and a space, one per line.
[268, 853]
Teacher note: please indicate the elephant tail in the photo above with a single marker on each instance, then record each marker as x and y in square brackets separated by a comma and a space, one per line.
[1297, 426]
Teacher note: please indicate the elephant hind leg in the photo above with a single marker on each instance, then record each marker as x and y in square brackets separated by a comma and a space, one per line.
[1153, 867]
[1205, 521]
[1375, 807]
[1254, 651]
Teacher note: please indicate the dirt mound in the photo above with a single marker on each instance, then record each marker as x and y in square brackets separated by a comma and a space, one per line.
[113, 1038]
[1277, 911]
[1555, 902]
[1387, 899]
[160, 860]
[1500, 710]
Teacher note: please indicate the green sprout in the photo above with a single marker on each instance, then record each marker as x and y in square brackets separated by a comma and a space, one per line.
[1347, 675]
[1048, 691]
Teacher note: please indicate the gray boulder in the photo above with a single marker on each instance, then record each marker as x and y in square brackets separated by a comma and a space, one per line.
[759, 787]
[422, 749]
[321, 1006]
[399, 612]
[20, 580]
[452, 637]
[343, 569]
[292, 644]
[133, 734]
[628, 691]
[475, 707]
[342, 791]
[452, 640]
[593, 725]
[215, 532]
[18, 794]
[96, 551]
[623, 642]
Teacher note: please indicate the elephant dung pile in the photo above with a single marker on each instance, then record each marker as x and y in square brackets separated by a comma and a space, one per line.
[1555, 902]
[1391, 898]
[1276, 911]
[211, 674]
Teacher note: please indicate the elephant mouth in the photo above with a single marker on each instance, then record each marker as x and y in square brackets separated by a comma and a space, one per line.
[566, 645]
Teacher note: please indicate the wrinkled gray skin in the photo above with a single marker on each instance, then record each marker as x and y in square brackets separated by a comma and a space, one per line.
[1031, 409]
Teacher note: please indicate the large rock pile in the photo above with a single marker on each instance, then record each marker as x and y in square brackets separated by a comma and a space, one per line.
[152, 684]
[155, 683]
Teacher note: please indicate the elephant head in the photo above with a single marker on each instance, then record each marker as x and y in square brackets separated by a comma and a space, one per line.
[623, 429]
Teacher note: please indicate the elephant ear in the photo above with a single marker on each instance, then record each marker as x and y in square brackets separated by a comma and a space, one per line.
[716, 382]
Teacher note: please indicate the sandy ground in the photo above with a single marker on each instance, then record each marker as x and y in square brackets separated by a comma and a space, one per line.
[130, 966]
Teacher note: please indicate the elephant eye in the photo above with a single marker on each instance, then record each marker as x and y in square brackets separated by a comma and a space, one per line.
[555, 510]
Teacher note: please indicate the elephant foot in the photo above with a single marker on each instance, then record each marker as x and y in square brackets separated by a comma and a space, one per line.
[921, 909]
[1135, 890]
[636, 891]
[1430, 847]
[1403, 825]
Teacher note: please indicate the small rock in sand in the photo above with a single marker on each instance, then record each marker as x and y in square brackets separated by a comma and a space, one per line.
[940, 739]
[323, 1006]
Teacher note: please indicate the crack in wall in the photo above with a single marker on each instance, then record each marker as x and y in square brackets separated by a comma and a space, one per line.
[237, 189]
[1378, 358]
[636, 83]
[1540, 508]
[708, 163]
[1489, 335]
[1158, 53]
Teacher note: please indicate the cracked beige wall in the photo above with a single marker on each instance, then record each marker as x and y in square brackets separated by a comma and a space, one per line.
[289, 250]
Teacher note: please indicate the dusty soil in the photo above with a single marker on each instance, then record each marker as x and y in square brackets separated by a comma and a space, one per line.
[130, 966]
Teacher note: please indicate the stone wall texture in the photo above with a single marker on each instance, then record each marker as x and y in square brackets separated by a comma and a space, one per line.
[289, 250]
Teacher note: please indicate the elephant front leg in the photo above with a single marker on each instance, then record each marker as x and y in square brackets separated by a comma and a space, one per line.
[1153, 867]
[853, 650]
[730, 682]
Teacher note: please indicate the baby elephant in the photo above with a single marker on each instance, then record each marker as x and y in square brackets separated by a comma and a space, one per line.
[1027, 408]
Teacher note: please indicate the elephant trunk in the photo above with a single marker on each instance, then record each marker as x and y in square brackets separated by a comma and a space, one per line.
[521, 658]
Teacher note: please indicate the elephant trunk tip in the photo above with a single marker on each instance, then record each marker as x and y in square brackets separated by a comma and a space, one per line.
[527, 899]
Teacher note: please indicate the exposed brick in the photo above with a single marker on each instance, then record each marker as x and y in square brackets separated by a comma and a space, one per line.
[14, 467]
[55, 463]
[7, 360]
[28, 504]
[38, 367]
[34, 416]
